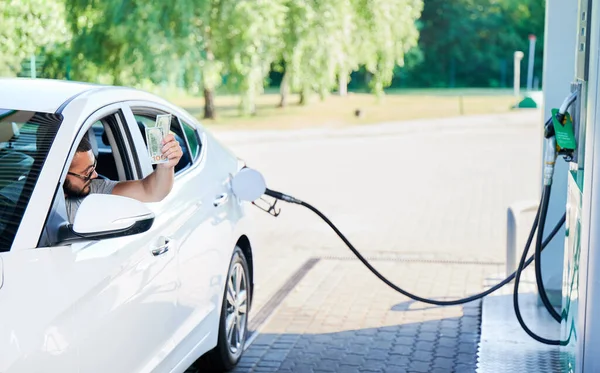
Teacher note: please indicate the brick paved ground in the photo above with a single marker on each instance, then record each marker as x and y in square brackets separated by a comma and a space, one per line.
[340, 318]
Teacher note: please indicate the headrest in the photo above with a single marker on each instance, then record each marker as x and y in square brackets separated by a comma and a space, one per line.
[8, 131]
[91, 135]
[10, 123]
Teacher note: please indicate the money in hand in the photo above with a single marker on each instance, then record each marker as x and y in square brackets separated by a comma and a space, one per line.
[155, 136]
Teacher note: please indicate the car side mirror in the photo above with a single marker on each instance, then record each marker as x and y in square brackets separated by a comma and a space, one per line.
[248, 184]
[103, 216]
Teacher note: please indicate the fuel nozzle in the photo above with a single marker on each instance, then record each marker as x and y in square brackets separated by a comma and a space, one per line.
[559, 128]
[549, 160]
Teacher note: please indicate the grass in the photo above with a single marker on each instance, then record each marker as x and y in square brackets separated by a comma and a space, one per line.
[336, 111]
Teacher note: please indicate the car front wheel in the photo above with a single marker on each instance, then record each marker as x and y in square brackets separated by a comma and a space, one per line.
[234, 316]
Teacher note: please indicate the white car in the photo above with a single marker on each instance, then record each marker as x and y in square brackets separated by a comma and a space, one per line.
[130, 286]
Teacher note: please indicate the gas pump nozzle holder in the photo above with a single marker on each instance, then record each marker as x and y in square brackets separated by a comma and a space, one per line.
[559, 134]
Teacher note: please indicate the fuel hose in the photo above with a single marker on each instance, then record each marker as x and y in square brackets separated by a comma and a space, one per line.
[515, 275]
[538, 225]
[290, 199]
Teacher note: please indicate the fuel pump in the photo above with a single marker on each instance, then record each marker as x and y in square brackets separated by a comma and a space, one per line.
[579, 330]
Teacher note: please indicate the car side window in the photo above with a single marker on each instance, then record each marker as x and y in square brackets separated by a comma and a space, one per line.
[149, 120]
[102, 149]
[108, 146]
[192, 138]
[108, 139]
[25, 140]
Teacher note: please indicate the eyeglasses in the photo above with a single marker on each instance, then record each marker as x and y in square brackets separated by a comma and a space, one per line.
[89, 175]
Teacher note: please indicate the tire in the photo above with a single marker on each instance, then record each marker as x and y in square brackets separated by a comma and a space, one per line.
[232, 336]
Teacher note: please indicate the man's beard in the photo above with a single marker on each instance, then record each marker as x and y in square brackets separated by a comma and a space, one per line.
[70, 190]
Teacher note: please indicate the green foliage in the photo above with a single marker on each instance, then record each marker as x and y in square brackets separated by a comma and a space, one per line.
[122, 41]
[247, 40]
[471, 42]
[234, 38]
[56, 61]
[392, 33]
[27, 25]
[328, 39]
[198, 45]
[313, 47]
[192, 26]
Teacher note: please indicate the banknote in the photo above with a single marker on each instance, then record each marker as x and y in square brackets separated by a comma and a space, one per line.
[164, 121]
[154, 138]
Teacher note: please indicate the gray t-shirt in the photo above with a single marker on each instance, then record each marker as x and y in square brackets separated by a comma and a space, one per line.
[102, 186]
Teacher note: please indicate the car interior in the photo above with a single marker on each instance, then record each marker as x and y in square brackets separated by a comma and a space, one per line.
[186, 159]
[23, 146]
[106, 166]
[17, 151]
[19, 142]
[99, 138]
[14, 167]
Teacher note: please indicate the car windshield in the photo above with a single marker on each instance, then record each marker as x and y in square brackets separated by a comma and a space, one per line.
[25, 139]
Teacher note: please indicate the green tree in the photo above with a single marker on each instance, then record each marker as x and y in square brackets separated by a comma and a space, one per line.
[237, 39]
[194, 25]
[27, 25]
[121, 42]
[325, 40]
[312, 39]
[386, 32]
[295, 32]
[348, 57]
[249, 34]
[471, 42]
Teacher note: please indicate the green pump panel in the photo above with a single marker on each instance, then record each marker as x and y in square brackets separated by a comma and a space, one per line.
[571, 272]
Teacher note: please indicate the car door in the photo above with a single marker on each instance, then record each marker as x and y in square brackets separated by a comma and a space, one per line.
[193, 217]
[35, 335]
[107, 303]
[134, 302]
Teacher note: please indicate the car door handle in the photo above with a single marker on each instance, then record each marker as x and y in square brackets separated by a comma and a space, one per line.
[162, 248]
[221, 200]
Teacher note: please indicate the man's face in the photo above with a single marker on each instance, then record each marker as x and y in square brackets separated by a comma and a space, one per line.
[81, 173]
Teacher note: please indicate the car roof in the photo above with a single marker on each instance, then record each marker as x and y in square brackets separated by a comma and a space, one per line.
[42, 95]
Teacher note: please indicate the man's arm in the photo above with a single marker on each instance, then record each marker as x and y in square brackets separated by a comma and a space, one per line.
[157, 185]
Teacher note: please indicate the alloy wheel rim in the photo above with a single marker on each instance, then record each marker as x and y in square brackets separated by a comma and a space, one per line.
[237, 308]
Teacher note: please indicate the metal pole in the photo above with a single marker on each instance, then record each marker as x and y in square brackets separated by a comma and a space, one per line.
[531, 60]
[517, 81]
[513, 223]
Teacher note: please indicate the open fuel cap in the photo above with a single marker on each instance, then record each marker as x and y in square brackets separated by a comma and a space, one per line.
[248, 184]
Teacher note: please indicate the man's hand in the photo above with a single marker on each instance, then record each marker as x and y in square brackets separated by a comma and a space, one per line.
[172, 150]
[157, 185]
